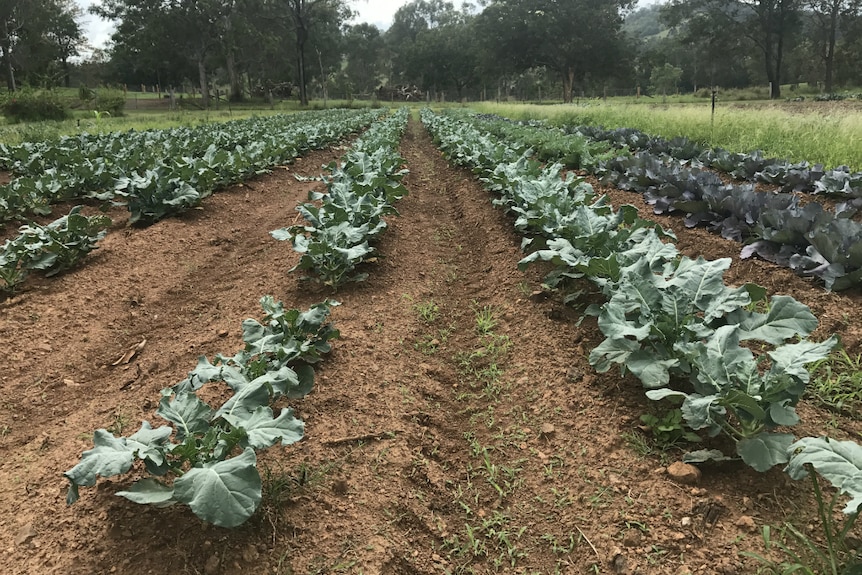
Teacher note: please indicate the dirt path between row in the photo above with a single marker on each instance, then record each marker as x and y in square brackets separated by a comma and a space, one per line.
[456, 427]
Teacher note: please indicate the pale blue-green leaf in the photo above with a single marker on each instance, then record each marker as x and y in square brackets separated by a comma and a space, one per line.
[782, 413]
[839, 462]
[765, 450]
[791, 359]
[148, 491]
[187, 412]
[150, 443]
[703, 412]
[612, 351]
[659, 394]
[701, 280]
[652, 372]
[786, 318]
[264, 431]
[110, 456]
[704, 455]
[225, 493]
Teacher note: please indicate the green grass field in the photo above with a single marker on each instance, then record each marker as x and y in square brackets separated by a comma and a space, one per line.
[820, 132]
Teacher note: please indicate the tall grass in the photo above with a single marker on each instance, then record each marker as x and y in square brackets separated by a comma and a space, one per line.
[822, 132]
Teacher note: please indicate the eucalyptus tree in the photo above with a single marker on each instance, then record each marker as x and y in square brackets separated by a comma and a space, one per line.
[580, 40]
[767, 24]
[828, 15]
[171, 30]
[363, 57]
[305, 15]
[36, 36]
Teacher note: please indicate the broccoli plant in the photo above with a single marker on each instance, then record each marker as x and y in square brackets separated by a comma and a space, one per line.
[206, 457]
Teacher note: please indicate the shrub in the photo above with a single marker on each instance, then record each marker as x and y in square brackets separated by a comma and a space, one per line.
[28, 105]
[112, 101]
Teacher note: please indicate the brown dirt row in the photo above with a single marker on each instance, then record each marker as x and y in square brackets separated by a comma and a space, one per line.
[432, 446]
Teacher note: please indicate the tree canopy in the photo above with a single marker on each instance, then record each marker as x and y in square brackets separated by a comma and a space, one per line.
[439, 49]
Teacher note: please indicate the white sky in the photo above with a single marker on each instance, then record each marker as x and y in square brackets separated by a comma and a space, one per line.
[378, 12]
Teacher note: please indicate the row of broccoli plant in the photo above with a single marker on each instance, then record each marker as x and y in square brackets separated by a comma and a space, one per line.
[159, 173]
[205, 457]
[343, 222]
[669, 320]
[210, 465]
[774, 226]
[52, 248]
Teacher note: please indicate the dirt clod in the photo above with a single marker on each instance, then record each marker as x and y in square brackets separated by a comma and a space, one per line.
[683, 473]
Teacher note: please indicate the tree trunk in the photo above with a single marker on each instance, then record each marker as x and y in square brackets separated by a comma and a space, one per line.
[779, 57]
[233, 77]
[205, 90]
[67, 80]
[568, 85]
[300, 61]
[829, 61]
[7, 56]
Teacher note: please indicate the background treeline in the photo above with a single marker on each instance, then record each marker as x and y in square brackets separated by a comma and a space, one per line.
[498, 49]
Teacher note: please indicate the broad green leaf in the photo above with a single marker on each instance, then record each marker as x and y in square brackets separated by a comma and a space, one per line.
[149, 492]
[704, 412]
[791, 359]
[700, 279]
[187, 412]
[839, 462]
[783, 413]
[225, 493]
[281, 234]
[264, 431]
[652, 372]
[786, 318]
[704, 455]
[765, 450]
[151, 443]
[721, 360]
[110, 456]
[612, 351]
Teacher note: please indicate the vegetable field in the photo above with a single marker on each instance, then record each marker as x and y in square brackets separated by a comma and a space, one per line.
[469, 415]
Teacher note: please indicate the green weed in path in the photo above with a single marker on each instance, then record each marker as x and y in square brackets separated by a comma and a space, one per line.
[837, 381]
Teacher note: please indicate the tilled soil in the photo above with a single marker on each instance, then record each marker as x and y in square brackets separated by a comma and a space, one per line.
[456, 427]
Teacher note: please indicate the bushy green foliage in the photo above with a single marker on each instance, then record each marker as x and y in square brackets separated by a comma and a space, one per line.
[112, 101]
[33, 106]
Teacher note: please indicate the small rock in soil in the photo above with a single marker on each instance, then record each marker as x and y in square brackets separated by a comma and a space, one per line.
[683, 473]
[250, 554]
[574, 374]
[632, 538]
[548, 429]
[620, 564]
[746, 522]
[211, 566]
[25, 535]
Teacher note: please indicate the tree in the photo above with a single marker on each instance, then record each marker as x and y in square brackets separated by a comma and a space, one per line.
[697, 42]
[828, 14]
[37, 36]
[166, 32]
[305, 14]
[580, 40]
[665, 79]
[768, 24]
[363, 52]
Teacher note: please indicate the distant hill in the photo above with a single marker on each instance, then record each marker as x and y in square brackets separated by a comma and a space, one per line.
[644, 24]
